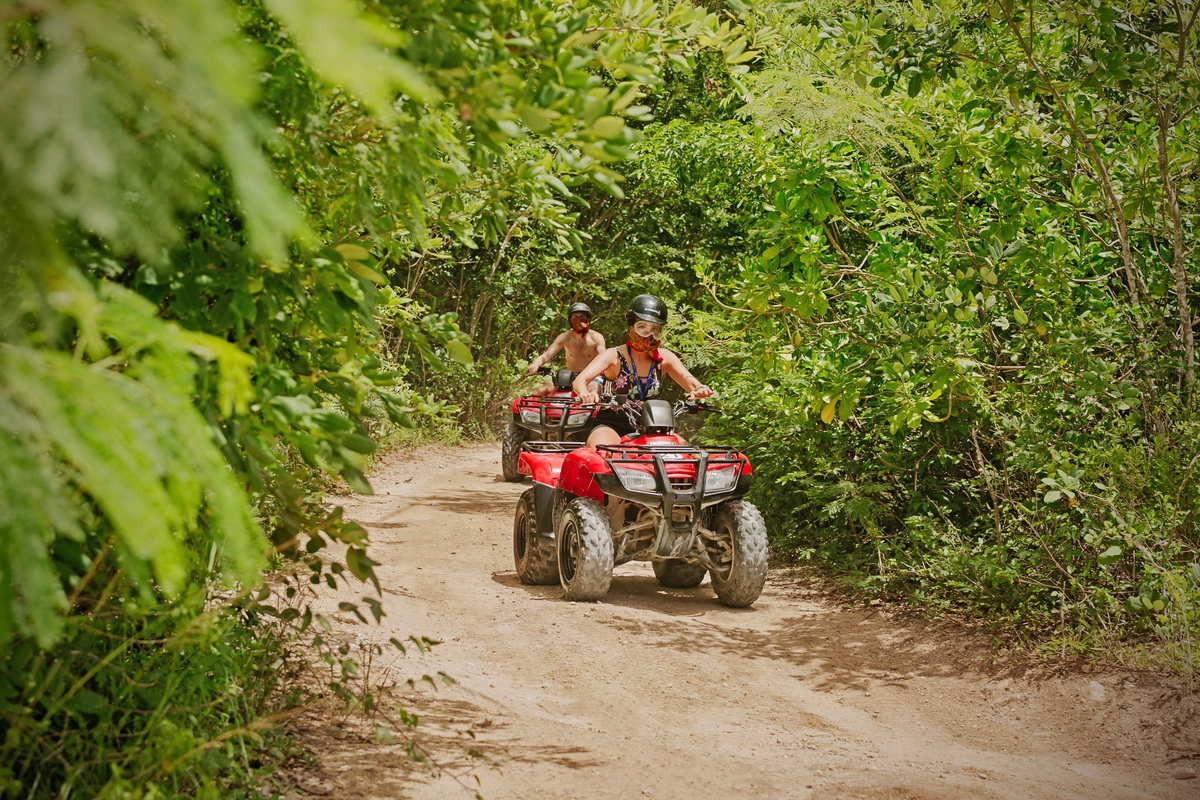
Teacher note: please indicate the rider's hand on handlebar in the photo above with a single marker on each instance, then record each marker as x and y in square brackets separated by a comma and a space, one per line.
[700, 393]
[532, 370]
[590, 395]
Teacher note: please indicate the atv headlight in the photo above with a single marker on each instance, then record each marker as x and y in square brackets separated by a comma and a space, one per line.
[531, 416]
[577, 418]
[635, 480]
[720, 480]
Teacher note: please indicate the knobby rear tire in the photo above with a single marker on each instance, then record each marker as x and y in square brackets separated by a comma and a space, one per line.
[510, 451]
[583, 541]
[533, 557]
[741, 554]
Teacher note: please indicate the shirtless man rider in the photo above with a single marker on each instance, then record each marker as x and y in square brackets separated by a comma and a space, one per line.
[581, 344]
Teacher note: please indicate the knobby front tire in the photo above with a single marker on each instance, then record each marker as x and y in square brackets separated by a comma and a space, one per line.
[740, 554]
[583, 539]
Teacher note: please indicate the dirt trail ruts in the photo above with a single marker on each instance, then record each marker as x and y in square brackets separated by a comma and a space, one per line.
[665, 693]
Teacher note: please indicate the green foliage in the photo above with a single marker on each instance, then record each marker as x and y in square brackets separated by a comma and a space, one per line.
[689, 206]
[213, 221]
[937, 258]
[61, 419]
[162, 700]
[966, 322]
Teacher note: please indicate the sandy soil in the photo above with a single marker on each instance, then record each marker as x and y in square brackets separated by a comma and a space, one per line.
[665, 693]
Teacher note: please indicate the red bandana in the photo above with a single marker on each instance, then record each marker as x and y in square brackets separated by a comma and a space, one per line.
[646, 345]
[581, 329]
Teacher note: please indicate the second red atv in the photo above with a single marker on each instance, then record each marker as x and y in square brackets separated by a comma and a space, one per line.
[653, 497]
[557, 416]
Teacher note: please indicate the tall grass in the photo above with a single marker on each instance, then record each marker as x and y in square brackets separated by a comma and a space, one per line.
[143, 699]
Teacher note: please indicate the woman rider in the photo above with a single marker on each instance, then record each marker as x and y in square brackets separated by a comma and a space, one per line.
[635, 368]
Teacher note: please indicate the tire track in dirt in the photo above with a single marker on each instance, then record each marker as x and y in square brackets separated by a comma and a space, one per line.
[665, 693]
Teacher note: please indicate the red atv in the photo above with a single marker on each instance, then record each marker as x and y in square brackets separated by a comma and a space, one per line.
[650, 498]
[557, 416]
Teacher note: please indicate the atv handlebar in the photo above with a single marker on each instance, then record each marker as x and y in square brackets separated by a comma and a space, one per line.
[631, 405]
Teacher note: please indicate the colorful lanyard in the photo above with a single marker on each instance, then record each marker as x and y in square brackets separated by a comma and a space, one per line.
[643, 384]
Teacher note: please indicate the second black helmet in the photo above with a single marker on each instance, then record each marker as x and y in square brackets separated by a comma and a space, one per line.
[646, 307]
[579, 308]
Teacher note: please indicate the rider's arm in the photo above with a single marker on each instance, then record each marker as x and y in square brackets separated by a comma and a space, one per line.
[545, 357]
[675, 368]
[583, 386]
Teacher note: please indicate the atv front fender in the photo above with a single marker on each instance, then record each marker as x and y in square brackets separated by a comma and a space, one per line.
[578, 473]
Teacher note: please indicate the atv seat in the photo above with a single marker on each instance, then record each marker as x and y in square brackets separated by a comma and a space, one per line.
[563, 378]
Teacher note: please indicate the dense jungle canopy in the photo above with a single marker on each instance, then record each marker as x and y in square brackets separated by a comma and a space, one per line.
[938, 259]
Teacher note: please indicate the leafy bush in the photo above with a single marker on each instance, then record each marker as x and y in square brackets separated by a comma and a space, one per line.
[964, 369]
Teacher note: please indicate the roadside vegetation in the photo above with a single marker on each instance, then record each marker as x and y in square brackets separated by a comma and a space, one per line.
[938, 259]
[203, 207]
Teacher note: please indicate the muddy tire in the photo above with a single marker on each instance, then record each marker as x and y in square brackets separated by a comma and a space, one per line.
[740, 554]
[675, 573]
[510, 451]
[534, 558]
[583, 540]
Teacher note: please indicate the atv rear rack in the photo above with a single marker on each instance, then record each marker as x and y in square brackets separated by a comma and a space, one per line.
[550, 447]
[544, 493]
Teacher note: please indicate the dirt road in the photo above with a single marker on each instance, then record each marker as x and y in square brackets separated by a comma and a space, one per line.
[664, 693]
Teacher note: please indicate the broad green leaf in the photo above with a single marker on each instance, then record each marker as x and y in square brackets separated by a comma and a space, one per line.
[361, 566]
[359, 443]
[353, 252]
[459, 351]
[608, 127]
[363, 271]
[538, 120]
[845, 407]
[351, 49]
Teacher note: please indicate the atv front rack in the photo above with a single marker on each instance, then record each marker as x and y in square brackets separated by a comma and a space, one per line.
[552, 415]
[673, 495]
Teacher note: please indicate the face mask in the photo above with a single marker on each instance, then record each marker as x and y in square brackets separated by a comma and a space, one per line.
[645, 344]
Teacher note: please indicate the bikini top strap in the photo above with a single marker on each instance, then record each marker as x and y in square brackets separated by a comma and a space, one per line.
[624, 368]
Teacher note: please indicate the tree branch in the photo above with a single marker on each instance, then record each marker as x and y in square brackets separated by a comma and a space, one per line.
[1133, 278]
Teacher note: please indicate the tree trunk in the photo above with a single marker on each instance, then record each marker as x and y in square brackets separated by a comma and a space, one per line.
[1171, 200]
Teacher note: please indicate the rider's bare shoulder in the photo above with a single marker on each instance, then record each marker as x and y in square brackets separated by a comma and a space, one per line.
[668, 357]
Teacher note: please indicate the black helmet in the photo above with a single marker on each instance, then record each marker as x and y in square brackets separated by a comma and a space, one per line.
[646, 307]
[579, 308]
